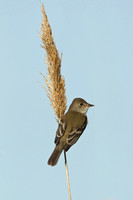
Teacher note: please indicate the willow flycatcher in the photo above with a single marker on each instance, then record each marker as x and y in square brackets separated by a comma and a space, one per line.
[70, 128]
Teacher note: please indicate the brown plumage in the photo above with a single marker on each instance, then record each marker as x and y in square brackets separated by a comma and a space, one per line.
[70, 128]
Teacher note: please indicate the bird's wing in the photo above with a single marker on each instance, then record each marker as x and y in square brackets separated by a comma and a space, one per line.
[60, 131]
[75, 134]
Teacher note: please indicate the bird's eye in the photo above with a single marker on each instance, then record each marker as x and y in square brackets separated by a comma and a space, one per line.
[81, 104]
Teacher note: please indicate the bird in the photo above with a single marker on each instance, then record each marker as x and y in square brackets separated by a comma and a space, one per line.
[70, 128]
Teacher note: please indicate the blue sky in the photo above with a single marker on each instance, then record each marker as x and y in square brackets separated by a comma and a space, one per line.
[96, 38]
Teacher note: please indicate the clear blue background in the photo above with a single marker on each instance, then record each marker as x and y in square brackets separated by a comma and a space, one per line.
[96, 38]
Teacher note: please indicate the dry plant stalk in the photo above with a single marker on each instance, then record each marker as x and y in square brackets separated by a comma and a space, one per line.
[55, 82]
[67, 175]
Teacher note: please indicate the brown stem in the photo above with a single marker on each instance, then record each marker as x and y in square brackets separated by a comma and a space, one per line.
[67, 174]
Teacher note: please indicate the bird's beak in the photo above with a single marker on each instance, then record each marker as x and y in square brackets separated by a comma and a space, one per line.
[90, 105]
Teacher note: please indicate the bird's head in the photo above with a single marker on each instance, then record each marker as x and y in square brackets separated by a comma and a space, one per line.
[80, 105]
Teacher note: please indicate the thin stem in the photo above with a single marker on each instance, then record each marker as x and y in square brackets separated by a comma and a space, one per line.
[67, 174]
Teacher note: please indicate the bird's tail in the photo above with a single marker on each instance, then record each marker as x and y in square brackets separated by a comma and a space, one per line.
[54, 156]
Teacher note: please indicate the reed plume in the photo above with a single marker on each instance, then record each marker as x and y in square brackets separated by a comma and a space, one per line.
[55, 82]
